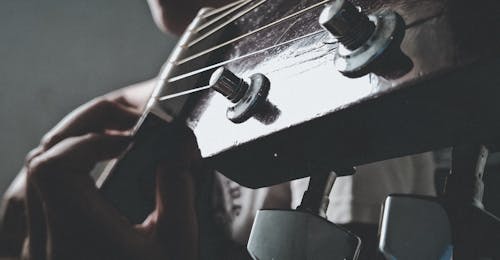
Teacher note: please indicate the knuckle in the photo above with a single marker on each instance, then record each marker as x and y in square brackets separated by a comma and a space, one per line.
[9, 198]
[36, 165]
[49, 139]
[45, 138]
[104, 103]
[109, 109]
[14, 196]
[31, 154]
[118, 99]
[40, 166]
[91, 136]
[13, 202]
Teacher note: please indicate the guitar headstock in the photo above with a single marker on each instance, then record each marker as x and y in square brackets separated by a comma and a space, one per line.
[303, 98]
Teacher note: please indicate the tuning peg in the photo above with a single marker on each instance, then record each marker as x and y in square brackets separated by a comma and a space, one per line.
[367, 43]
[246, 97]
[228, 84]
[346, 23]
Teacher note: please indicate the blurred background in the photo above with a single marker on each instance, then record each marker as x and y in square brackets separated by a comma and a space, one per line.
[56, 55]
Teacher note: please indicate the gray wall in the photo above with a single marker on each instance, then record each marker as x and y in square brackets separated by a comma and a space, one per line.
[56, 54]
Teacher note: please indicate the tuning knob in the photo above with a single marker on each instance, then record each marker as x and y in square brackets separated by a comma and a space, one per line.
[228, 84]
[364, 41]
[346, 23]
[247, 98]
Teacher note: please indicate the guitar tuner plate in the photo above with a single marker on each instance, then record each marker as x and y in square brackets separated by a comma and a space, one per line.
[247, 98]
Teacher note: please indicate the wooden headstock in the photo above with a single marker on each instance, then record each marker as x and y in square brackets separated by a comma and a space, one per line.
[314, 117]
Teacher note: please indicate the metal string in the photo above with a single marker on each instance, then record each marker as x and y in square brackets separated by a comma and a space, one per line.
[183, 93]
[221, 9]
[195, 72]
[240, 14]
[219, 17]
[241, 3]
[230, 20]
[194, 56]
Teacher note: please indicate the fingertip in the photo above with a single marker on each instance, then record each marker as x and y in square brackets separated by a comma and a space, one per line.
[179, 149]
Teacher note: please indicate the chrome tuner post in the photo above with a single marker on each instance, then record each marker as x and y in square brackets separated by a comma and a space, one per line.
[366, 43]
[247, 97]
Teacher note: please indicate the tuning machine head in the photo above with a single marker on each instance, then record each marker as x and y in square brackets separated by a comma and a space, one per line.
[247, 97]
[366, 43]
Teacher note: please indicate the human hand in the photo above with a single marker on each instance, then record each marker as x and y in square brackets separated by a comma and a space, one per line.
[13, 217]
[13, 210]
[57, 170]
[66, 209]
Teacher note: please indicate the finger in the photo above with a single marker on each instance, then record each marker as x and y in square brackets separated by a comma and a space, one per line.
[125, 102]
[178, 148]
[95, 116]
[175, 221]
[13, 217]
[78, 154]
[135, 96]
[32, 154]
[178, 157]
[79, 221]
[36, 224]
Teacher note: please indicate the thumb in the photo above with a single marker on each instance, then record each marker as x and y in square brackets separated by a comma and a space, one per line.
[175, 193]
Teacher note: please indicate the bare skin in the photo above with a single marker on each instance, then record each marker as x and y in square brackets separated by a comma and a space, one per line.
[13, 228]
[54, 206]
[67, 217]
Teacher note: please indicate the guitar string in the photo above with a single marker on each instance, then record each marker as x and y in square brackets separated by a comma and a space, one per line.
[219, 17]
[211, 49]
[232, 19]
[213, 66]
[221, 9]
[192, 73]
[190, 91]
[183, 93]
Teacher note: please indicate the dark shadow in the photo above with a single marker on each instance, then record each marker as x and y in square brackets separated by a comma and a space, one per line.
[393, 64]
[267, 113]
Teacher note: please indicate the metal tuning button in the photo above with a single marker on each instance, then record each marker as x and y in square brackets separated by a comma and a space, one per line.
[228, 84]
[346, 23]
[364, 41]
[247, 97]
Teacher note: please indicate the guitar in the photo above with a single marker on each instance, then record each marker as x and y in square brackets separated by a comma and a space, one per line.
[308, 111]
